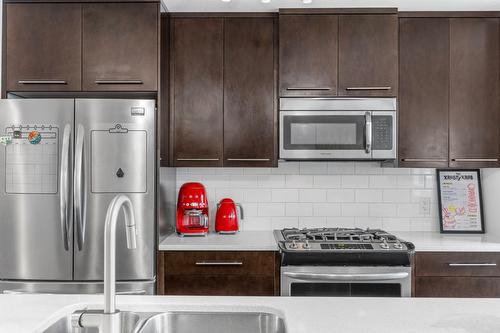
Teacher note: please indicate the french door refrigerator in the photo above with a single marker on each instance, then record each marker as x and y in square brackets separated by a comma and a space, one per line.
[61, 163]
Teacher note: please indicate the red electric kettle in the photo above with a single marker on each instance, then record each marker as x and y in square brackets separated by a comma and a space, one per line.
[227, 220]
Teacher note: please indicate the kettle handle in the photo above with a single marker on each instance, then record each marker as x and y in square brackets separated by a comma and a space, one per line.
[240, 207]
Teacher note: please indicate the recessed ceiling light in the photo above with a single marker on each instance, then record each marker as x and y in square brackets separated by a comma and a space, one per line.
[226, 0]
[265, 1]
[307, 1]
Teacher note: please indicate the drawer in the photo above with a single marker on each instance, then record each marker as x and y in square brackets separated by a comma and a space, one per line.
[457, 287]
[219, 285]
[458, 264]
[219, 263]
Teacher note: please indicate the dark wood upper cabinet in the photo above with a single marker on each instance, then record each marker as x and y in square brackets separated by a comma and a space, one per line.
[120, 46]
[368, 55]
[308, 51]
[423, 92]
[43, 47]
[196, 96]
[250, 121]
[474, 92]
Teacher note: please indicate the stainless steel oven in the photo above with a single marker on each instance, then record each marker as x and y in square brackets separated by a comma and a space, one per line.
[338, 128]
[346, 281]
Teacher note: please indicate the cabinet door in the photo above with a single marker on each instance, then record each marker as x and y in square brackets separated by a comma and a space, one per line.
[368, 55]
[308, 55]
[423, 92]
[463, 287]
[474, 87]
[120, 47]
[43, 47]
[197, 91]
[250, 122]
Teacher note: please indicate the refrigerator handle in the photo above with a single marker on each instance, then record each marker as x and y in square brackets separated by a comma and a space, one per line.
[80, 187]
[64, 185]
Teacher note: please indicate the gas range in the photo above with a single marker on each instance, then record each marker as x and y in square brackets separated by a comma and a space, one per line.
[342, 246]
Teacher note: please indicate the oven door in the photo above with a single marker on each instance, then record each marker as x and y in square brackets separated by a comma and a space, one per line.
[320, 135]
[333, 281]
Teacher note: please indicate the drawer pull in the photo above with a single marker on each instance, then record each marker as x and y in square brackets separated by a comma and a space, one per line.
[368, 88]
[311, 88]
[423, 160]
[472, 265]
[219, 263]
[474, 159]
[249, 159]
[197, 159]
[118, 82]
[42, 82]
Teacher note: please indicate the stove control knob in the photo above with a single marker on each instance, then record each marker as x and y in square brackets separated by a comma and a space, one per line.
[398, 245]
[294, 245]
[384, 245]
[306, 245]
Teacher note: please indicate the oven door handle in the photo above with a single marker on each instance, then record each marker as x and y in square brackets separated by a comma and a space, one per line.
[347, 277]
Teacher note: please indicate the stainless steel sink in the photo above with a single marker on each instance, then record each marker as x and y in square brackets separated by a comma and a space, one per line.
[186, 322]
[130, 321]
[220, 322]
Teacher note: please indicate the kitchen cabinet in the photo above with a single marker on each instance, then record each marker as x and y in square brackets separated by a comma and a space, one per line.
[218, 273]
[457, 274]
[223, 107]
[250, 111]
[423, 91]
[42, 47]
[197, 91]
[59, 47]
[120, 47]
[474, 92]
[368, 55]
[308, 54]
[449, 84]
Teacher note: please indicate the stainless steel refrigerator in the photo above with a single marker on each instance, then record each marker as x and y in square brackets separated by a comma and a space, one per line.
[61, 163]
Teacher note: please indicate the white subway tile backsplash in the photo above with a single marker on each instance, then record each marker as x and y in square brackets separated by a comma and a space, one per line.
[285, 195]
[299, 209]
[355, 181]
[312, 195]
[321, 194]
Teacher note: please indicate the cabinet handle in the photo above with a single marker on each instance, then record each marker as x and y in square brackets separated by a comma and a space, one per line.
[249, 159]
[219, 263]
[197, 159]
[472, 264]
[368, 88]
[311, 88]
[474, 159]
[423, 160]
[42, 82]
[118, 82]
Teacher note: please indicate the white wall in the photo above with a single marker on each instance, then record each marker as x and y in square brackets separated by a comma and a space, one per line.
[318, 194]
[491, 200]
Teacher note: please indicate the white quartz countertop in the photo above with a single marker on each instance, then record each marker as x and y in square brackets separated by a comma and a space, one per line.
[242, 241]
[34, 313]
[264, 241]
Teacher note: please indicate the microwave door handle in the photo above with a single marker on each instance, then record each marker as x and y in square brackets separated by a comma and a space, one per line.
[347, 277]
[64, 185]
[368, 131]
[80, 188]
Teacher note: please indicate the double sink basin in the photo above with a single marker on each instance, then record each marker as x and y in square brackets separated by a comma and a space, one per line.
[185, 322]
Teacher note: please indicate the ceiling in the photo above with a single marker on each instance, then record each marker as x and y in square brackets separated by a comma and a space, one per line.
[274, 5]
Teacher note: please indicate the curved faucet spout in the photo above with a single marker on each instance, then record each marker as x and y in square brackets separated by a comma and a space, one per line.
[110, 246]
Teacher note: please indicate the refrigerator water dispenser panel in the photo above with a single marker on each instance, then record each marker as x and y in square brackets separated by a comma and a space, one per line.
[119, 161]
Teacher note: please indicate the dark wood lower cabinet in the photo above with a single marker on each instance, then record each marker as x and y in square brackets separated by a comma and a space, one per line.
[457, 274]
[218, 273]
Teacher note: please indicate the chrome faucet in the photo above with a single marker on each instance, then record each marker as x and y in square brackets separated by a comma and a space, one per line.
[109, 320]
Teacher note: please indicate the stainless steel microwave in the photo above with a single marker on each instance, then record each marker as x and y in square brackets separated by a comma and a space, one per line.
[338, 128]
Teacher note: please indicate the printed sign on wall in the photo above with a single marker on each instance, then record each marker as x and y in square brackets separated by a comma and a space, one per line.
[460, 201]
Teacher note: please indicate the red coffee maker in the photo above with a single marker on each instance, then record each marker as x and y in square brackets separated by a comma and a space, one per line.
[227, 221]
[192, 210]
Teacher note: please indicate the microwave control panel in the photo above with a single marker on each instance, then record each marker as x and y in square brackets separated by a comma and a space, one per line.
[382, 132]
